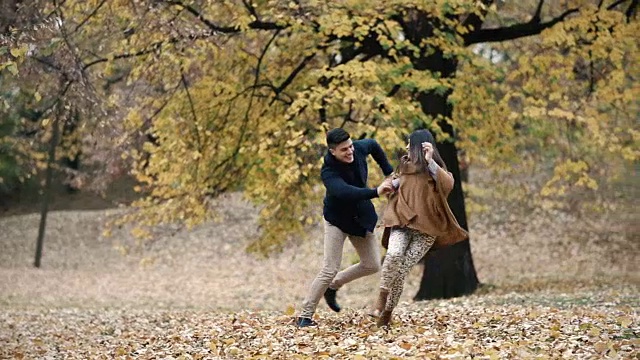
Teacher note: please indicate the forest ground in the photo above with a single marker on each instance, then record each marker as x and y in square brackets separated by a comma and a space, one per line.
[554, 286]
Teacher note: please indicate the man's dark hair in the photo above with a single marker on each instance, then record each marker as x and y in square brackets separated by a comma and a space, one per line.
[336, 136]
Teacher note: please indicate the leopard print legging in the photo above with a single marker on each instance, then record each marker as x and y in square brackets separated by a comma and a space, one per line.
[406, 248]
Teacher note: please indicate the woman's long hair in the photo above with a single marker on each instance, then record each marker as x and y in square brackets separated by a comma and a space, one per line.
[416, 154]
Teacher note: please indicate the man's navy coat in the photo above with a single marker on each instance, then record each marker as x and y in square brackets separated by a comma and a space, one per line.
[347, 204]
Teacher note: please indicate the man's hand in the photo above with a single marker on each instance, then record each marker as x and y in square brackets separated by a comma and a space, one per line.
[385, 187]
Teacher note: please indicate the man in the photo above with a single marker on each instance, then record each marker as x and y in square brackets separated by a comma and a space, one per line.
[348, 211]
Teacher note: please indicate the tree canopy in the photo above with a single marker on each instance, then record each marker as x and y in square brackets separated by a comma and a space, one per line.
[204, 97]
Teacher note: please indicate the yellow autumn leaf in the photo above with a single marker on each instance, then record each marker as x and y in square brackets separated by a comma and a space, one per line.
[290, 310]
[625, 321]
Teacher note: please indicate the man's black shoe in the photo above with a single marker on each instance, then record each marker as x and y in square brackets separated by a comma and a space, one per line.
[330, 297]
[304, 322]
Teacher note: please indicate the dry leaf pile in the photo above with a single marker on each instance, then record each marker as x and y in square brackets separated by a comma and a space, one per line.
[548, 294]
[578, 326]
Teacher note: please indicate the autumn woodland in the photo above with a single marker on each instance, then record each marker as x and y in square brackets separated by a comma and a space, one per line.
[160, 192]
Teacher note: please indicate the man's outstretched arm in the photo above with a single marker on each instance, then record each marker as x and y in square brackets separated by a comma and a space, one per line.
[378, 155]
[336, 186]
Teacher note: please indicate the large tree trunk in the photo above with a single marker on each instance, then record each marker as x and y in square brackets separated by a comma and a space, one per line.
[448, 272]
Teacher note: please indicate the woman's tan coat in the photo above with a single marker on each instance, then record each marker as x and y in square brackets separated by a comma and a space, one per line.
[420, 203]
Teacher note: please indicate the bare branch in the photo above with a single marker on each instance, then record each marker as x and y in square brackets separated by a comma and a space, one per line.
[474, 21]
[530, 28]
[394, 90]
[251, 9]
[322, 112]
[537, 17]
[513, 32]
[632, 10]
[227, 163]
[258, 25]
[152, 48]
[293, 75]
[262, 55]
[156, 112]
[71, 47]
[349, 114]
[155, 46]
[193, 109]
[616, 3]
[48, 63]
[92, 14]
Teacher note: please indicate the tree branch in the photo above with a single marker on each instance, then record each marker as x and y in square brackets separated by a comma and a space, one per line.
[631, 10]
[72, 49]
[513, 32]
[322, 112]
[537, 17]
[262, 55]
[615, 4]
[193, 109]
[227, 162]
[349, 114]
[92, 14]
[292, 76]
[258, 25]
[161, 107]
[474, 21]
[533, 27]
[394, 90]
[251, 9]
[155, 46]
[48, 63]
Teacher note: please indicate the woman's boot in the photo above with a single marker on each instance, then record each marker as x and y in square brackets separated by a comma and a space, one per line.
[385, 318]
[380, 304]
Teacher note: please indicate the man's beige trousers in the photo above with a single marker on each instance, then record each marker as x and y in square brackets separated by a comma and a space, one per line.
[368, 250]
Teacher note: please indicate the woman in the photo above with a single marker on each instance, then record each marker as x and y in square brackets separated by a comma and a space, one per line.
[416, 218]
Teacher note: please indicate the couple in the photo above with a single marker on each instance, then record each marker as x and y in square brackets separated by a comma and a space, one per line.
[417, 217]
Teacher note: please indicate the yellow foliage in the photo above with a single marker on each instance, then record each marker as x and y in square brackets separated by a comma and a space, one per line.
[238, 97]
